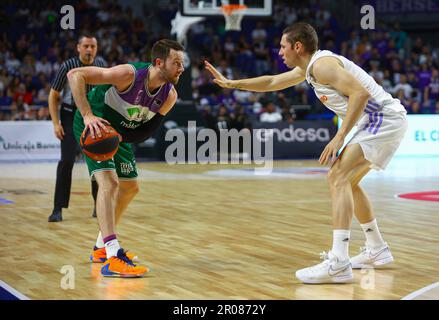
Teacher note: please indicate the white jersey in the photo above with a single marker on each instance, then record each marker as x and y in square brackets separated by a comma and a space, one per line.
[380, 100]
[381, 128]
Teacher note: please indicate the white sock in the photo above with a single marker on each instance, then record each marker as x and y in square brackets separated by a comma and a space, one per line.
[99, 241]
[340, 244]
[372, 233]
[111, 247]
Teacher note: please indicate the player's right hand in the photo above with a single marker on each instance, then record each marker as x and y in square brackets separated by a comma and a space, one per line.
[219, 78]
[95, 125]
[59, 131]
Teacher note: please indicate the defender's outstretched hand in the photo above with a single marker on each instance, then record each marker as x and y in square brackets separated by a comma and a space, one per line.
[219, 78]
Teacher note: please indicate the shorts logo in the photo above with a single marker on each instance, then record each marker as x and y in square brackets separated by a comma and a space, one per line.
[126, 168]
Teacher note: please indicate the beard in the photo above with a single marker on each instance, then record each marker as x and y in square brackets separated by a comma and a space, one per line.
[88, 58]
[168, 77]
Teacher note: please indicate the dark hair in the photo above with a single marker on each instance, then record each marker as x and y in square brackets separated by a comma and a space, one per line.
[161, 49]
[86, 35]
[304, 33]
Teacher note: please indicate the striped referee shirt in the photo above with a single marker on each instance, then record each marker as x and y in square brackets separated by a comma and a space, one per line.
[60, 82]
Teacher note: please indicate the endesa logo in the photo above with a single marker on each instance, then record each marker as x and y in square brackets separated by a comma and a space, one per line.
[290, 134]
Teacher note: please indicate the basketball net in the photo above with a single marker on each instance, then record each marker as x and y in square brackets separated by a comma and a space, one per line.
[233, 14]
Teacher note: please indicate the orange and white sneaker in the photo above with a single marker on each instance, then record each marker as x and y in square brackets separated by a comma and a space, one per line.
[122, 267]
[99, 255]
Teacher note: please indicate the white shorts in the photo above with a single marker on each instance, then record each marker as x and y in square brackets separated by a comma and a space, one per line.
[380, 136]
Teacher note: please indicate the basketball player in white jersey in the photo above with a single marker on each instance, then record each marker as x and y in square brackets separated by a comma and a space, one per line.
[355, 97]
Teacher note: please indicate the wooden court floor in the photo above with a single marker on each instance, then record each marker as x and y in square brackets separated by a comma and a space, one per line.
[214, 232]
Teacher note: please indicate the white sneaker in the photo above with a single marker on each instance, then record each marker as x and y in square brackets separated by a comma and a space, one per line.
[331, 270]
[372, 257]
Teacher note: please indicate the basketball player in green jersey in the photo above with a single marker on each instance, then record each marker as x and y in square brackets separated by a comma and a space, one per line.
[133, 99]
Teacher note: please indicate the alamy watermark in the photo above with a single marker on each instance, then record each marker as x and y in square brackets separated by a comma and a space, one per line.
[68, 20]
[207, 146]
[368, 278]
[368, 20]
[68, 280]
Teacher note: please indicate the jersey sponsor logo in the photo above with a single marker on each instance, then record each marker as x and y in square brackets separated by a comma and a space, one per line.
[138, 113]
[323, 98]
[131, 112]
[126, 168]
[130, 125]
[157, 102]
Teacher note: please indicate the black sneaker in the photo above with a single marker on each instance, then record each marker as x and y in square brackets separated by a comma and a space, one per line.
[94, 213]
[56, 215]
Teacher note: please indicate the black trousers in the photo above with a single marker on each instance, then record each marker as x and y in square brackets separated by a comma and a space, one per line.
[69, 149]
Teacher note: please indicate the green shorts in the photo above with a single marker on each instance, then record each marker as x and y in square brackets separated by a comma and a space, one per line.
[123, 161]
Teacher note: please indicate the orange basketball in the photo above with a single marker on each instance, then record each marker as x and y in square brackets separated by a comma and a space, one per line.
[101, 148]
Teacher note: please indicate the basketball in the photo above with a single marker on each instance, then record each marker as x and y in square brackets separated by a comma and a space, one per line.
[101, 148]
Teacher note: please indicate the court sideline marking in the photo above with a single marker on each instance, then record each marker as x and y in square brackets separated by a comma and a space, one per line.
[421, 291]
[12, 291]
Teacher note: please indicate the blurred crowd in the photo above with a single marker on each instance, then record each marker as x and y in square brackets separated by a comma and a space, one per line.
[33, 46]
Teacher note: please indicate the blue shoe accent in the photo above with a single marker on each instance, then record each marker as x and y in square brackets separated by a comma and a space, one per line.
[121, 254]
[107, 273]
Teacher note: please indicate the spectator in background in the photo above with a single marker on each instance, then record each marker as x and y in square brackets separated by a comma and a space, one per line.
[288, 114]
[223, 119]
[270, 114]
[239, 119]
[19, 110]
[261, 55]
[12, 64]
[395, 71]
[259, 34]
[404, 86]
[399, 36]
[43, 113]
[424, 76]
[28, 68]
[229, 49]
[43, 95]
[23, 93]
[375, 73]
[431, 92]
[206, 111]
[43, 66]
[386, 82]
[224, 68]
[415, 108]
[227, 99]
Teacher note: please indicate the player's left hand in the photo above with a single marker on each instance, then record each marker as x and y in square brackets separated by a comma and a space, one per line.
[329, 154]
[219, 79]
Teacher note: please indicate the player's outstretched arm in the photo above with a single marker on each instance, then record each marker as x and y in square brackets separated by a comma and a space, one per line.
[120, 76]
[259, 84]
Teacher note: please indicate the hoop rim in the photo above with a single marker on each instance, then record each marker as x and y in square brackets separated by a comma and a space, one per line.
[228, 9]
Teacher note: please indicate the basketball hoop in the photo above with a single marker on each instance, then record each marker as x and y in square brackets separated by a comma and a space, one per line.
[233, 14]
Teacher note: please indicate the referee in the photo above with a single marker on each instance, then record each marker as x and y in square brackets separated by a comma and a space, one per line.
[87, 48]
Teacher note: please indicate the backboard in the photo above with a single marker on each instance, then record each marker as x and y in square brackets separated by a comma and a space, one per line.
[213, 7]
